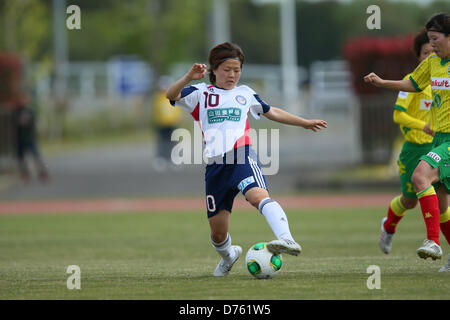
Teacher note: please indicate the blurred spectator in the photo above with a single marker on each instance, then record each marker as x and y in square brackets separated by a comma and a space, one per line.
[26, 142]
[166, 118]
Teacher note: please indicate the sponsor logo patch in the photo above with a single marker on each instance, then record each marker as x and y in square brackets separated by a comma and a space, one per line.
[440, 83]
[244, 183]
[403, 94]
[437, 100]
[425, 104]
[434, 156]
[221, 115]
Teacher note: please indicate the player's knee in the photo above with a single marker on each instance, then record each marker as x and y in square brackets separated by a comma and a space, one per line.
[218, 236]
[255, 196]
[409, 203]
[419, 178]
[254, 202]
[415, 177]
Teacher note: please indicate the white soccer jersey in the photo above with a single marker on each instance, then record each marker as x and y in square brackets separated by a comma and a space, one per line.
[222, 114]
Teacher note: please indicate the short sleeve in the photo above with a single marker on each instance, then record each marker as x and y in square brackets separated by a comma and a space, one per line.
[258, 106]
[420, 77]
[189, 98]
[403, 99]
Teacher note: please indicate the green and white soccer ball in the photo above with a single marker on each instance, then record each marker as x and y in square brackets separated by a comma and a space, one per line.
[261, 263]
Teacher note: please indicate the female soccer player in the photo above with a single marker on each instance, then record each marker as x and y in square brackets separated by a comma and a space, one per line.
[221, 109]
[431, 178]
[411, 112]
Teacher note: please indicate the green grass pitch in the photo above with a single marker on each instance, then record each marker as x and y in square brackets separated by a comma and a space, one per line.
[167, 255]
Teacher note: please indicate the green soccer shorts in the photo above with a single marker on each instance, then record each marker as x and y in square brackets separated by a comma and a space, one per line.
[407, 161]
[439, 156]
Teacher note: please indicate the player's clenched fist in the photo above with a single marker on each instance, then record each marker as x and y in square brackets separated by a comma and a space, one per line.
[373, 79]
[197, 71]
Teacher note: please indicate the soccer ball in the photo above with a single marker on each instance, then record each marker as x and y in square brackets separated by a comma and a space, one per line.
[261, 263]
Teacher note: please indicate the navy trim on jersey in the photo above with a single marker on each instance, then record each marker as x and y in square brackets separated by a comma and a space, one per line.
[265, 106]
[185, 92]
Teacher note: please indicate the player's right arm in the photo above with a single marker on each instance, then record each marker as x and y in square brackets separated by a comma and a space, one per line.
[197, 72]
[398, 85]
[419, 79]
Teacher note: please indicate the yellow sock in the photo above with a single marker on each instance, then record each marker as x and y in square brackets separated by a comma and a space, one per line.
[395, 214]
[397, 207]
[445, 216]
[427, 192]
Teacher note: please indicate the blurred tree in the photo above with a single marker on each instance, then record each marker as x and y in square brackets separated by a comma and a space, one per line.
[179, 32]
[108, 28]
[160, 31]
[167, 31]
[256, 29]
[318, 31]
[25, 28]
[323, 27]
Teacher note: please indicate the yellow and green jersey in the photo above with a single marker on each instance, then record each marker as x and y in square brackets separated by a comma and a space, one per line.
[164, 113]
[417, 107]
[435, 71]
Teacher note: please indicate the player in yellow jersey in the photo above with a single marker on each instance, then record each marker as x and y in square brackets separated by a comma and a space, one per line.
[431, 178]
[411, 112]
[165, 120]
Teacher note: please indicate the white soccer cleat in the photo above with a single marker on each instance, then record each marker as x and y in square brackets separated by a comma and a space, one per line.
[224, 267]
[446, 268]
[429, 249]
[284, 246]
[385, 241]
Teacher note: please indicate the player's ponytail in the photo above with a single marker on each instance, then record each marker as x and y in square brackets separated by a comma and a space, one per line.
[221, 53]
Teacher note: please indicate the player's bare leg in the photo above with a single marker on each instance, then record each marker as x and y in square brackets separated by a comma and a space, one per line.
[277, 220]
[221, 241]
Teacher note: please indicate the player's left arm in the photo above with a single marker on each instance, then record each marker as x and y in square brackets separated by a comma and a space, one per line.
[282, 116]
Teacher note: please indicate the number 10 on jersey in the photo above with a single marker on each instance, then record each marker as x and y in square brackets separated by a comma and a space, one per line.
[211, 99]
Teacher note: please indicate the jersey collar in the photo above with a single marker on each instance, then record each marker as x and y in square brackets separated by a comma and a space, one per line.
[444, 61]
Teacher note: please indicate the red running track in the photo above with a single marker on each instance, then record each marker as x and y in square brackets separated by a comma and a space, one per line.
[185, 204]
